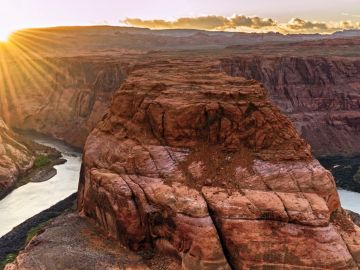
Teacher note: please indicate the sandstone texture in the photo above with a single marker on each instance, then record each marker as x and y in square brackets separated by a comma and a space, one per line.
[200, 166]
[321, 95]
[189, 159]
[15, 157]
[71, 242]
[62, 97]
[63, 87]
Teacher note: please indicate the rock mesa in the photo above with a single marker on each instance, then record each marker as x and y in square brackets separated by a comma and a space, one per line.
[201, 166]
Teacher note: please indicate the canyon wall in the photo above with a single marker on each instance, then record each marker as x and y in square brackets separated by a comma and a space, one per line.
[15, 157]
[201, 166]
[321, 95]
[66, 97]
[61, 97]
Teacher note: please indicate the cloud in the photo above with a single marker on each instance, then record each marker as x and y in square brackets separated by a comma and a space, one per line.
[210, 22]
[303, 26]
[299, 24]
[243, 23]
[251, 22]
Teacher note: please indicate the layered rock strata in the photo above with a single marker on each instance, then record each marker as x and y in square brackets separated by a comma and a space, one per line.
[15, 157]
[61, 97]
[321, 95]
[201, 166]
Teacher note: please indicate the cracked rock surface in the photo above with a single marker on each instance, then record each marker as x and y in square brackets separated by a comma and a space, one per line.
[319, 94]
[72, 242]
[15, 157]
[200, 166]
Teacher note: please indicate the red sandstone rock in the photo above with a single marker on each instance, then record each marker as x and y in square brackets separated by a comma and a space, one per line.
[15, 157]
[201, 166]
[72, 242]
[66, 101]
[319, 94]
[195, 163]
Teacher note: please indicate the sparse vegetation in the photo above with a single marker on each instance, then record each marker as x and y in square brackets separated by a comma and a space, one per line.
[30, 235]
[41, 161]
[357, 175]
[8, 259]
[34, 231]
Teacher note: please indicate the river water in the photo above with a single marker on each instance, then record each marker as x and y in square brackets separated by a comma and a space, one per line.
[350, 200]
[32, 198]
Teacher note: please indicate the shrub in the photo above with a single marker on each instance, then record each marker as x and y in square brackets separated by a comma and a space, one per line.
[41, 161]
[357, 175]
[8, 259]
[34, 231]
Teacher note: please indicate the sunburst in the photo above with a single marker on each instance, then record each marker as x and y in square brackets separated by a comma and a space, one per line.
[24, 71]
[5, 34]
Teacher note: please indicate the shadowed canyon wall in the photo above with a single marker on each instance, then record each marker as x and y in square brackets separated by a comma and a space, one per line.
[61, 97]
[321, 95]
[201, 166]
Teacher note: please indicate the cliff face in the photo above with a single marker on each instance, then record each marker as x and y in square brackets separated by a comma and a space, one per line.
[320, 95]
[201, 166]
[15, 157]
[62, 97]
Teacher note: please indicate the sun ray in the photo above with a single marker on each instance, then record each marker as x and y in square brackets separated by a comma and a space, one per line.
[26, 68]
[32, 54]
[43, 74]
[21, 64]
[39, 35]
[9, 89]
[3, 98]
[26, 71]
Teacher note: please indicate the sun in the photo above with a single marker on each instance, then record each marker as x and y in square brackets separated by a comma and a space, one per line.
[5, 34]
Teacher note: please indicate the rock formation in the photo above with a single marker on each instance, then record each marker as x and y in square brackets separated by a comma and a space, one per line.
[200, 165]
[187, 160]
[71, 242]
[321, 95]
[15, 157]
[99, 39]
[64, 87]
[61, 97]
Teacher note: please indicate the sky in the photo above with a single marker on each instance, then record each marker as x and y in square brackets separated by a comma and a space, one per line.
[18, 14]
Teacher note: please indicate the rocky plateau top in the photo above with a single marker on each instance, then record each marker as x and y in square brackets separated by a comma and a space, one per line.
[200, 165]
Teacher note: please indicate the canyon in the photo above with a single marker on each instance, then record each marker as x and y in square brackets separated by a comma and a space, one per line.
[190, 155]
[200, 165]
[314, 82]
[63, 98]
[321, 95]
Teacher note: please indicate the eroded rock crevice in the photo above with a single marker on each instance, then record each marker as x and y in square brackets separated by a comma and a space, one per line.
[160, 173]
